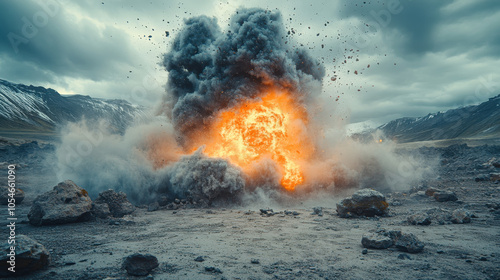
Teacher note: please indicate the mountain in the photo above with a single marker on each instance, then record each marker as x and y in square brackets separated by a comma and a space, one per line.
[477, 121]
[36, 108]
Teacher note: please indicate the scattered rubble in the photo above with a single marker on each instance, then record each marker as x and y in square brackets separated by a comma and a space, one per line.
[365, 202]
[118, 203]
[30, 256]
[139, 264]
[383, 239]
[66, 203]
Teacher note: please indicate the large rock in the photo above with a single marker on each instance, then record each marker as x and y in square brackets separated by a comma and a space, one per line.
[139, 264]
[30, 256]
[365, 202]
[66, 203]
[4, 195]
[118, 203]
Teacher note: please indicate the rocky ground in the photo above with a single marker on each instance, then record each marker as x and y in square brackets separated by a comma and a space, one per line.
[455, 216]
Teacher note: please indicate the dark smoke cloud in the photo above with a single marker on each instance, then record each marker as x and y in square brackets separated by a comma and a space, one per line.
[210, 70]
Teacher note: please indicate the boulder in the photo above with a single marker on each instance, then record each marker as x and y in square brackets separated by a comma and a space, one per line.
[460, 216]
[30, 256]
[365, 202]
[4, 195]
[419, 219]
[118, 203]
[444, 196]
[139, 264]
[66, 203]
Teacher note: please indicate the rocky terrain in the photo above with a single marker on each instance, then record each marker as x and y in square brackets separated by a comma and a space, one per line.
[444, 228]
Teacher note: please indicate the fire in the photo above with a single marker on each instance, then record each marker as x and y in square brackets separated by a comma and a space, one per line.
[273, 126]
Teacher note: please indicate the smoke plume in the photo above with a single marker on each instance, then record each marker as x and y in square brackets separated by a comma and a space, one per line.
[211, 70]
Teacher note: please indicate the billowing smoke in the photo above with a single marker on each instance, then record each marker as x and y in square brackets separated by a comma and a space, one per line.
[210, 70]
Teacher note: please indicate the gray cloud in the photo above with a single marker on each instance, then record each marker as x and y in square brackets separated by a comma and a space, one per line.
[443, 49]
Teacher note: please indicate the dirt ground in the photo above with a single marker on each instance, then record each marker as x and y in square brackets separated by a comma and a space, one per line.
[300, 246]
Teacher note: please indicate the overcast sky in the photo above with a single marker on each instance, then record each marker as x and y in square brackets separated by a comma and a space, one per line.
[423, 56]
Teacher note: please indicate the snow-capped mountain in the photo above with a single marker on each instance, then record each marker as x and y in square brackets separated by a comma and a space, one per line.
[37, 108]
[477, 121]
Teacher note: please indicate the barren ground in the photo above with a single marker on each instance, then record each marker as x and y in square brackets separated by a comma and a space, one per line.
[287, 247]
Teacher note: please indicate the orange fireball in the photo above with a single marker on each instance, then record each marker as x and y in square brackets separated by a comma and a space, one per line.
[272, 126]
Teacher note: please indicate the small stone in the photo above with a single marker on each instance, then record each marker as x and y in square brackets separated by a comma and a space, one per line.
[419, 219]
[364, 251]
[255, 261]
[376, 241]
[139, 264]
[483, 259]
[177, 201]
[460, 216]
[404, 257]
[70, 263]
[212, 269]
[199, 259]
[445, 196]
[266, 211]
[317, 211]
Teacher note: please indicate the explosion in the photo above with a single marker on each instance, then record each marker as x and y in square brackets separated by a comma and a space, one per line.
[273, 126]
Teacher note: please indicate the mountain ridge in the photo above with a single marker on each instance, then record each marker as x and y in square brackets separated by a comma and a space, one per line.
[473, 121]
[40, 109]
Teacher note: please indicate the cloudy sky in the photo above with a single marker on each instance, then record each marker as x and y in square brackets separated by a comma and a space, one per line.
[390, 58]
